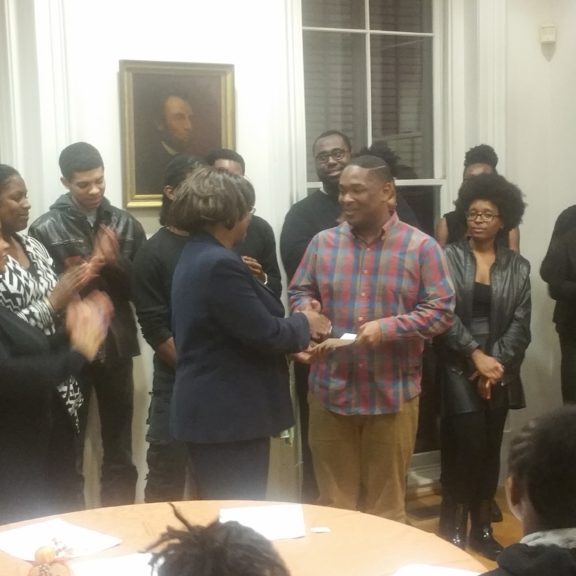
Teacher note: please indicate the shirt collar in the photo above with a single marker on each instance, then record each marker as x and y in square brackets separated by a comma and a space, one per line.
[391, 222]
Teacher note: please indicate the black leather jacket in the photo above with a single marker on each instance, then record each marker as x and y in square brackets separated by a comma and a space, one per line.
[509, 314]
[66, 233]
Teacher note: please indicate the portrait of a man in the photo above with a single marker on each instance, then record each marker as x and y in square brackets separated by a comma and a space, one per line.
[171, 109]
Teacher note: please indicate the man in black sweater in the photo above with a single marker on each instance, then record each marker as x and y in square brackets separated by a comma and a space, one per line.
[152, 289]
[319, 211]
[559, 271]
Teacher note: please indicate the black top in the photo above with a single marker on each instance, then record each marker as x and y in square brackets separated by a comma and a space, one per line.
[524, 560]
[317, 212]
[481, 300]
[31, 367]
[260, 244]
[558, 270]
[152, 273]
[31, 362]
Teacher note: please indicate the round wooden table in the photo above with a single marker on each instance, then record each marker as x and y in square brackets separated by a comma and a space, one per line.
[357, 544]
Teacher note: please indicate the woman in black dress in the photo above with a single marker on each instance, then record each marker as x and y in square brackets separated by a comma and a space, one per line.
[480, 356]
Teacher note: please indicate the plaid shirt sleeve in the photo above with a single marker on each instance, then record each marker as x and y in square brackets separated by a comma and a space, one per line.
[434, 313]
[303, 287]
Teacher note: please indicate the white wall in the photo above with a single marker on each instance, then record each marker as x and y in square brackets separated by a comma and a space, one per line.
[541, 156]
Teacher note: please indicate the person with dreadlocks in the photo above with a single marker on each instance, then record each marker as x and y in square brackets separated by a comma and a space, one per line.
[219, 549]
[541, 489]
[451, 228]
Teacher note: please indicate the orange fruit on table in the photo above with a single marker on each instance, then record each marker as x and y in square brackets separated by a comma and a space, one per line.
[45, 555]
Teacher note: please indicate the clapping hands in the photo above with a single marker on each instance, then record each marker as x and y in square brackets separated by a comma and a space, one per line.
[106, 249]
[80, 272]
[69, 285]
[87, 322]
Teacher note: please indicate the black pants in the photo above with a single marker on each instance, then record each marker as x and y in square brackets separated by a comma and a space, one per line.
[42, 478]
[166, 478]
[568, 367]
[231, 471]
[470, 454]
[309, 486]
[114, 387]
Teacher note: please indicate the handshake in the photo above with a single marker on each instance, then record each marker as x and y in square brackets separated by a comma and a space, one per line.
[320, 330]
[320, 325]
[369, 335]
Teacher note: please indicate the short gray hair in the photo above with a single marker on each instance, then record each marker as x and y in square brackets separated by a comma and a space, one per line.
[210, 196]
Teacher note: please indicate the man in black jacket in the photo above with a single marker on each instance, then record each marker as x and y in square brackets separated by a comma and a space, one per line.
[559, 271]
[82, 226]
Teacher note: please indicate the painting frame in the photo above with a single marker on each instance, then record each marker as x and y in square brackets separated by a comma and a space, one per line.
[146, 88]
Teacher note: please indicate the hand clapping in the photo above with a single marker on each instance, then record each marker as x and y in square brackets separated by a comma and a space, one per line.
[87, 322]
[106, 249]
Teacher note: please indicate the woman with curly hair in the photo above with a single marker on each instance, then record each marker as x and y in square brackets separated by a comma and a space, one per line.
[480, 356]
[481, 159]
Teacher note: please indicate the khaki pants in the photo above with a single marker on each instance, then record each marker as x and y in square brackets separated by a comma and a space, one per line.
[361, 462]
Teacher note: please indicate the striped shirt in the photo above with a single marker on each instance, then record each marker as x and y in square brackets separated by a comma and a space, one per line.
[401, 280]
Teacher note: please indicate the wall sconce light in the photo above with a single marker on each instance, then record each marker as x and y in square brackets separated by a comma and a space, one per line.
[548, 34]
[548, 38]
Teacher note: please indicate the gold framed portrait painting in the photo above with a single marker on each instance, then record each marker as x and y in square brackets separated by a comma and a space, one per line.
[170, 108]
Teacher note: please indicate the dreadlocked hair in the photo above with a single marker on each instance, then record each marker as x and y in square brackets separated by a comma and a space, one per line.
[219, 549]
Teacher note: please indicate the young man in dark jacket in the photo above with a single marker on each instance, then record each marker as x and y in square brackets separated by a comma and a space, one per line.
[542, 495]
[82, 226]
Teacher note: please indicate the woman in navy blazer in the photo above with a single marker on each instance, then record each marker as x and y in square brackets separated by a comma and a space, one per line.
[232, 387]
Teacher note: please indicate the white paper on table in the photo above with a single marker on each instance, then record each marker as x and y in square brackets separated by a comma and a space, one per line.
[428, 570]
[275, 522]
[77, 541]
[132, 564]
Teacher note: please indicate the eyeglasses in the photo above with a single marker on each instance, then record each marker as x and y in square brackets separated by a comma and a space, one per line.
[484, 216]
[336, 153]
[252, 211]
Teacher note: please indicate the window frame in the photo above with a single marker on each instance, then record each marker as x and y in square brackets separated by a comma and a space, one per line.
[438, 180]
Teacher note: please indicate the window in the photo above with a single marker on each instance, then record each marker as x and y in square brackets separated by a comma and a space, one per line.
[368, 71]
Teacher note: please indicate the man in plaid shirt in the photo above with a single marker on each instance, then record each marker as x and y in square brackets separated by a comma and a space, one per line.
[387, 282]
